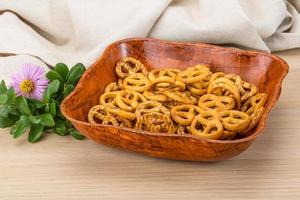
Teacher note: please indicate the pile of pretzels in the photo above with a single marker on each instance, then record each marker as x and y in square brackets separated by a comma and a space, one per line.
[193, 101]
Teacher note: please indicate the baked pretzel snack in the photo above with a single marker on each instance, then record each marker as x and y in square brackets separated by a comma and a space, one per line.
[155, 122]
[193, 74]
[255, 102]
[234, 120]
[207, 125]
[159, 75]
[129, 65]
[108, 98]
[99, 113]
[228, 89]
[151, 106]
[247, 90]
[219, 103]
[184, 114]
[156, 96]
[181, 97]
[194, 101]
[137, 82]
[129, 100]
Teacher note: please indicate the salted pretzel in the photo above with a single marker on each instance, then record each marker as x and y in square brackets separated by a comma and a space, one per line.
[247, 90]
[181, 97]
[219, 103]
[227, 86]
[207, 125]
[158, 75]
[255, 102]
[119, 112]
[234, 120]
[254, 119]
[155, 122]
[128, 65]
[193, 74]
[156, 96]
[128, 100]
[100, 114]
[149, 107]
[108, 98]
[200, 87]
[168, 84]
[112, 87]
[137, 82]
[184, 114]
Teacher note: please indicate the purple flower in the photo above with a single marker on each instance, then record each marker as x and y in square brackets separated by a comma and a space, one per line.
[30, 82]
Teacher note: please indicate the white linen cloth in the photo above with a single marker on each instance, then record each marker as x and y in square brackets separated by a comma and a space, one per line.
[71, 31]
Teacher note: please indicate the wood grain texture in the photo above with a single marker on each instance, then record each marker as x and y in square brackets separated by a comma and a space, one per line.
[264, 70]
[63, 168]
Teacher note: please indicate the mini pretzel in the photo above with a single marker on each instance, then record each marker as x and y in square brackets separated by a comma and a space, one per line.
[226, 85]
[255, 102]
[193, 74]
[207, 125]
[184, 114]
[254, 118]
[247, 90]
[234, 120]
[200, 88]
[128, 65]
[108, 98]
[137, 82]
[155, 122]
[156, 96]
[157, 75]
[123, 122]
[216, 75]
[100, 114]
[166, 82]
[149, 107]
[112, 87]
[128, 100]
[219, 103]
[180, 97]
[119, 112]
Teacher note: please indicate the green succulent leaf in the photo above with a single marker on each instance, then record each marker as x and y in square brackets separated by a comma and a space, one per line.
[11, 96]
[62, 69]
[75, 73]
[4, 110]
[69, 88]
[34, 119]
[53, 75]
[47, 120]
[60, 127]
[35, 133]
[21, 126]
[3, 87]
[8, 121]
[76, 134]
[3, 98]
[22, 105]
[52, 109]
[51, 90]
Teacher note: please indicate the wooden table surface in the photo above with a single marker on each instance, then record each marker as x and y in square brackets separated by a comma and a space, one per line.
[63, 168]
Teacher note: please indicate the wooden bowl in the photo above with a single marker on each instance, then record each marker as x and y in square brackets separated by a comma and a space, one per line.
[266, 71]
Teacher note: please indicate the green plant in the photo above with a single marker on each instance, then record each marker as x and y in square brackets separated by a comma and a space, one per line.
[41, 116]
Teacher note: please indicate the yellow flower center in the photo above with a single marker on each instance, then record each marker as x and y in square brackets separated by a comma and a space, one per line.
[26, 86]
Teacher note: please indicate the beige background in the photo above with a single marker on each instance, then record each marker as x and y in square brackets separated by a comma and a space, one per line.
[63, 168]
